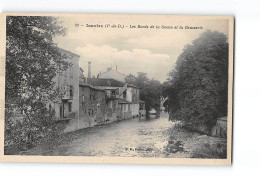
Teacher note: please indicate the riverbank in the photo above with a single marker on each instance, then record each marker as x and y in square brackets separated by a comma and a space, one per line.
[185, 143]
[139, 137]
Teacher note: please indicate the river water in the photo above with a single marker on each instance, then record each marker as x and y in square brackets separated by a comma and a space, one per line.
[138, 137]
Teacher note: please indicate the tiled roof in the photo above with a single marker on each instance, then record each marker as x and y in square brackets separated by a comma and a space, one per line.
[105, 82]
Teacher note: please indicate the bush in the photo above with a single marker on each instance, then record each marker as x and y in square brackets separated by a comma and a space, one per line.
[218, 150]
[28, 131]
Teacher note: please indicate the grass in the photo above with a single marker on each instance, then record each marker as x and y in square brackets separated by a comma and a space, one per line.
[199, 145]
[218, 151]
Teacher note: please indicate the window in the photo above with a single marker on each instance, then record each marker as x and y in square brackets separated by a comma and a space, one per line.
[71, 91]
[141, 107]
[92, 112]
[61, 112]
[70, 106]
[71, 73]
[49, 107]
[124, 95]
[83, 98]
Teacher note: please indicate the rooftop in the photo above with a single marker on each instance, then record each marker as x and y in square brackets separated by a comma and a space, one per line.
[105, 82]
[68, 52]
[90, 86]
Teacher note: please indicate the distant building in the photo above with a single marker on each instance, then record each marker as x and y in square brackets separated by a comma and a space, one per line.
[112, 74]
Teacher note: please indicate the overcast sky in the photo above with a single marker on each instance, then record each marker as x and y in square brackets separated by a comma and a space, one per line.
[153, 51]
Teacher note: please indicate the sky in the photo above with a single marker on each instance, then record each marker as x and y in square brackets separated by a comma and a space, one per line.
[132, 50]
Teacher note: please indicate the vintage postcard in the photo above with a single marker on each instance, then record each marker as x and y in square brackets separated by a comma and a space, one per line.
[116, 88]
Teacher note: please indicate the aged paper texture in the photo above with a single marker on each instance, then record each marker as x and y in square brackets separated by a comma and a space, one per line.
[116, 88]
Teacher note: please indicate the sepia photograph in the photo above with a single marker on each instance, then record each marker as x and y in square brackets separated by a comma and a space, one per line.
[117, 88]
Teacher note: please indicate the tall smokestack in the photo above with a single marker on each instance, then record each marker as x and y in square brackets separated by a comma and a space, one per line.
[89, 69]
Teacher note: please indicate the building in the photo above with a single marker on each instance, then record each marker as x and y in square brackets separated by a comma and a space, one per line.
[118, 106]
[85, 102]
[130, 93]
[92, 108]
[133, 96]
[66, 105]
[112, 74]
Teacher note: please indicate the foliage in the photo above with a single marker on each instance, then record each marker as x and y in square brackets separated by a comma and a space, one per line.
[208, 150]
[150, 89]
[198, 85]
[32, 61]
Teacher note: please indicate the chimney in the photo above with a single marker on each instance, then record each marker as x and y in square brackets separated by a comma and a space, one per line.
[89, 69]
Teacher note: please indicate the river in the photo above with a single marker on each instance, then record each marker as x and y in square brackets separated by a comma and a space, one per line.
[137, 137]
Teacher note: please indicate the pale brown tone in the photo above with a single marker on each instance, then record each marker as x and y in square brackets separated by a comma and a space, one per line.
[128, 19]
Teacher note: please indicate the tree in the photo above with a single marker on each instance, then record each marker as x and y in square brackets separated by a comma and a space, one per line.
[198, 84]
[32, 61]
[150, 89]
[151, 94]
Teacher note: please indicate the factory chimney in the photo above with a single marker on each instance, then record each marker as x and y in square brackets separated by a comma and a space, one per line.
[89, 69]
